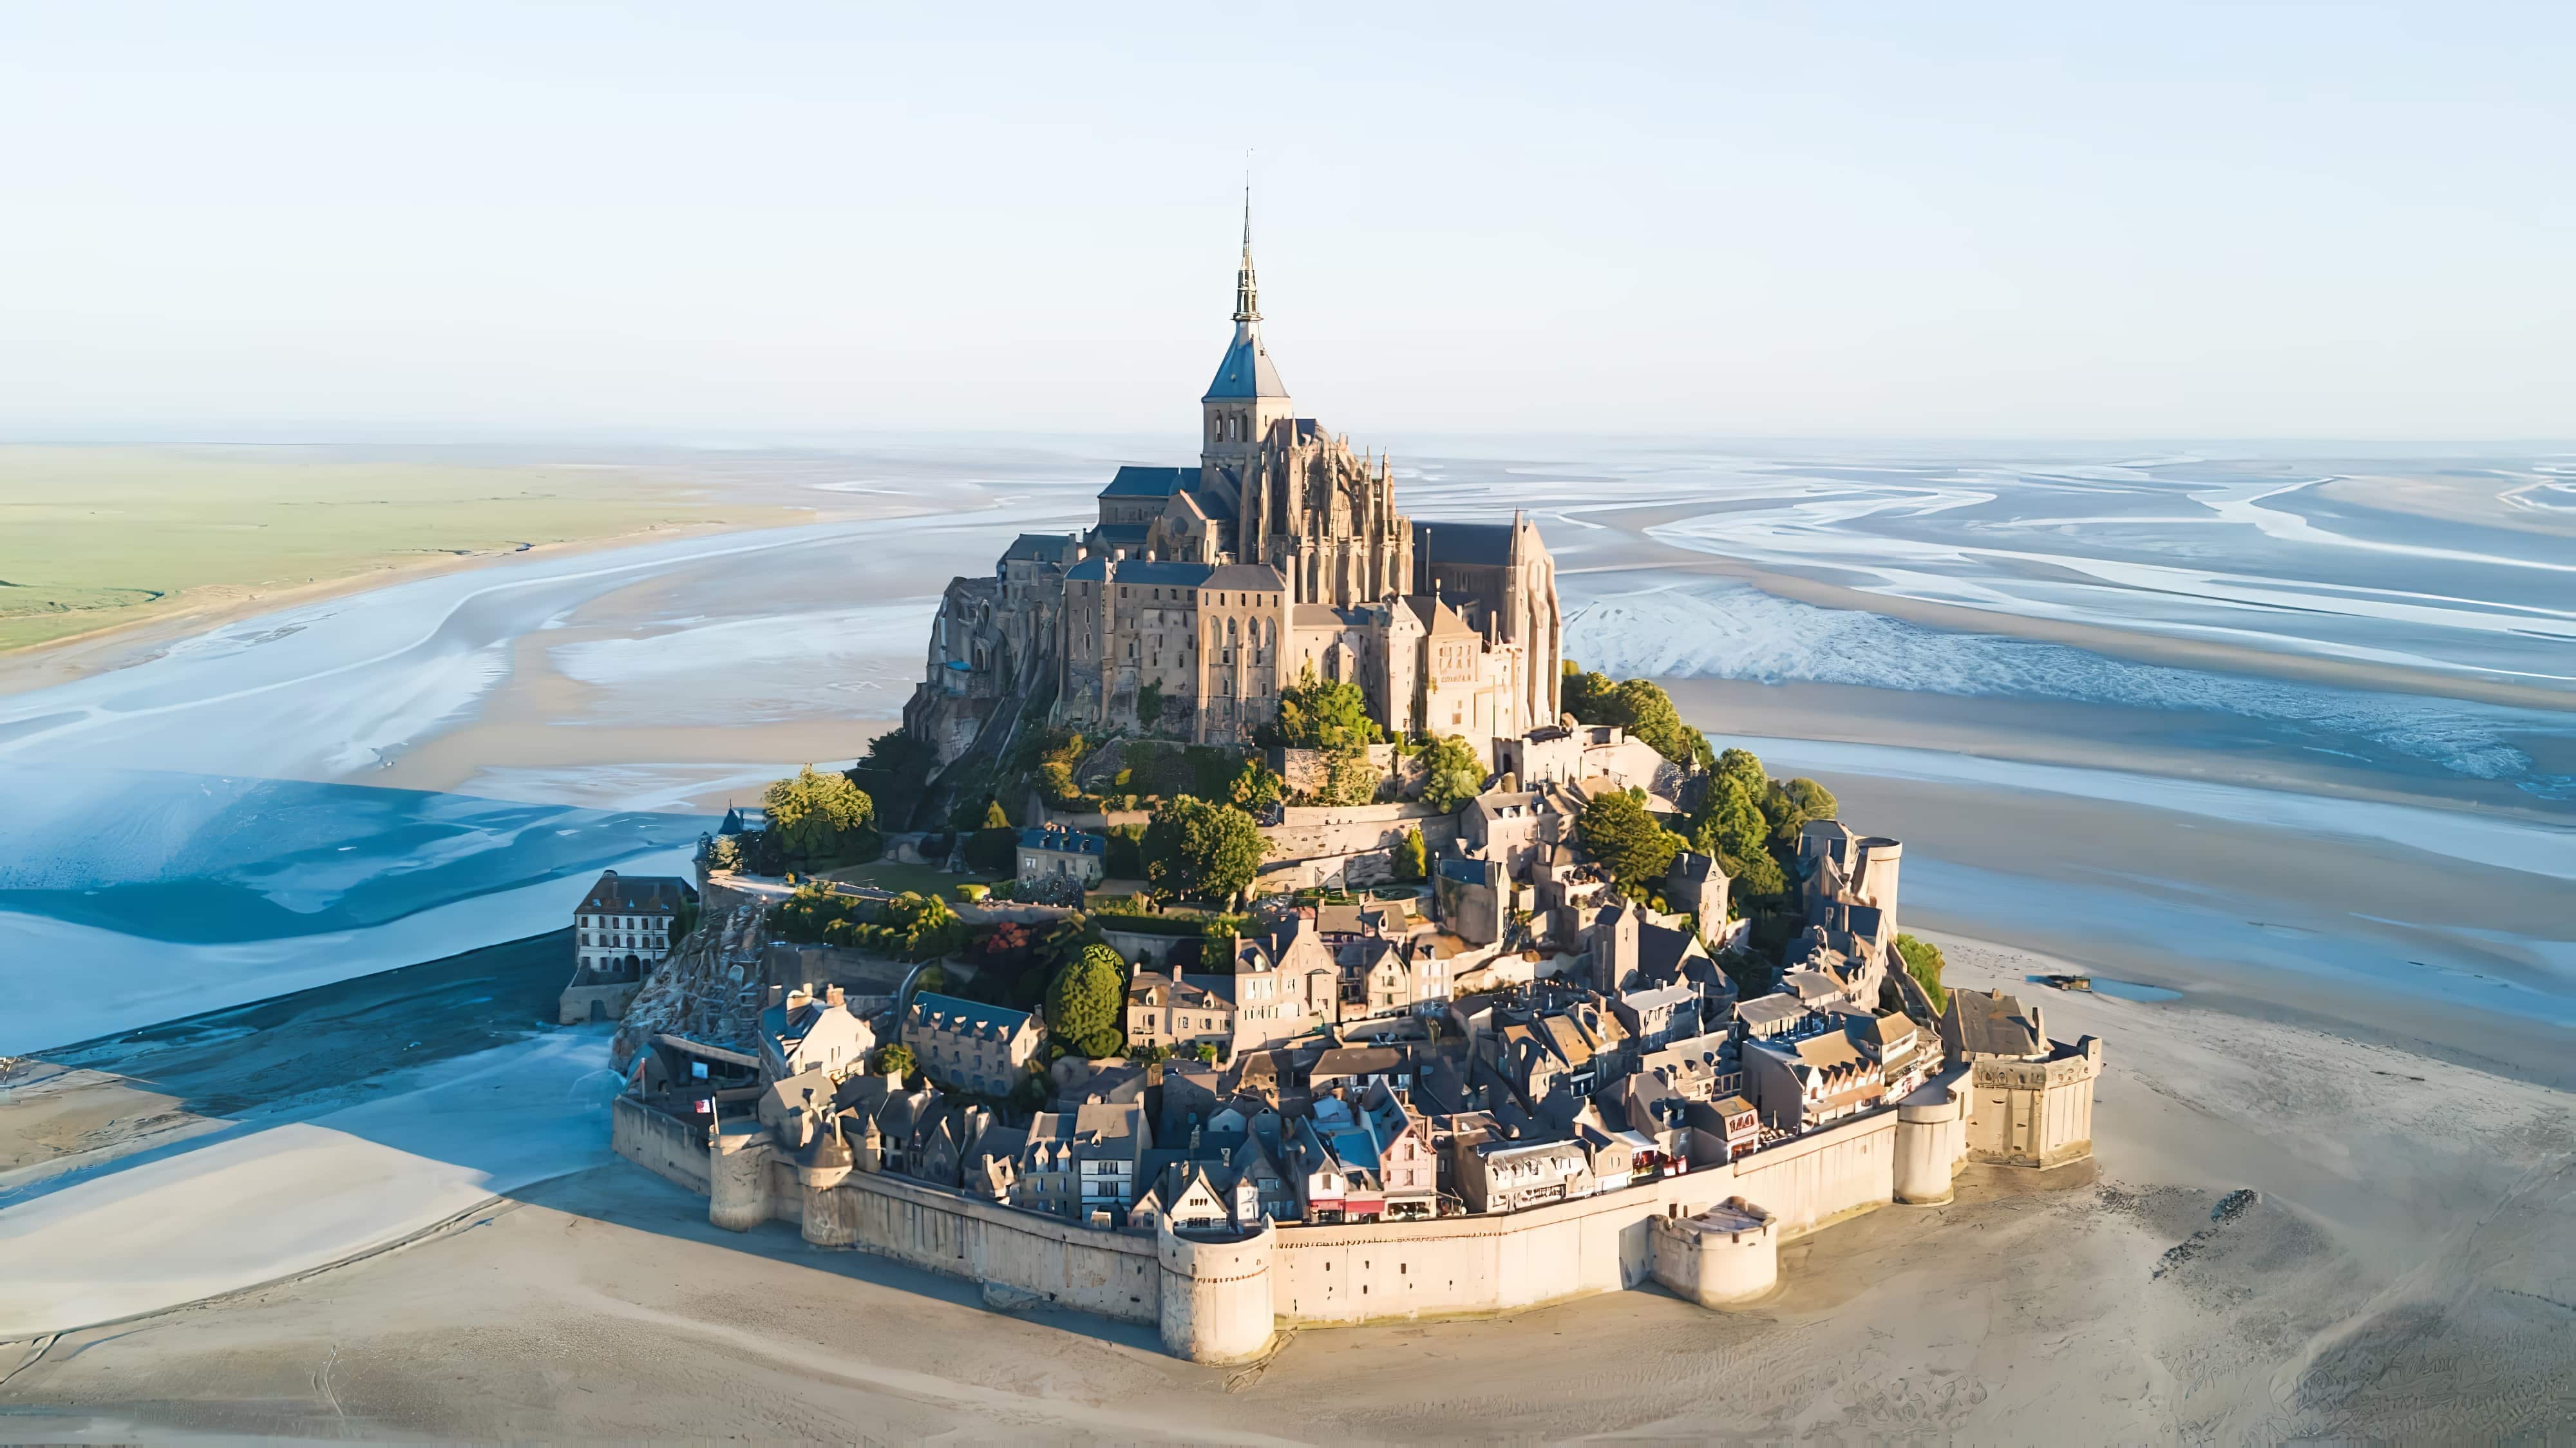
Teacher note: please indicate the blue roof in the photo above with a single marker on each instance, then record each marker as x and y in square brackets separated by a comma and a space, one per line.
[1177, 575]
[999, 1019]
[1246, 370]
[1485, 543]
[1068, 842]
[1143, 482]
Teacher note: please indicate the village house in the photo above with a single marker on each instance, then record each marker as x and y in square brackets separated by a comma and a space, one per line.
[1803, 1082]
[622, 928]
[806, 1033]
[1502, 1174]
[976, 1047]
[1175, 1012]
[1056, 856]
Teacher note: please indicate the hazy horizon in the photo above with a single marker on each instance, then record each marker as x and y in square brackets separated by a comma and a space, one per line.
[298, 222]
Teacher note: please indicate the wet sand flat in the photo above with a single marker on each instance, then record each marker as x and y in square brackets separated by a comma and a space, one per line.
[2403, 1273]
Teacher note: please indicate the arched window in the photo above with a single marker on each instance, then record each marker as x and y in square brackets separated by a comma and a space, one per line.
[1229, 633]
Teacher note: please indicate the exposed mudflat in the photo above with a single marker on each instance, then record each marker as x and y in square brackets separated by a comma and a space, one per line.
[2404, 1266]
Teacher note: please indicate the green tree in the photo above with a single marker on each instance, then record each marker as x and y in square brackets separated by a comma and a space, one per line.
[1790, 805]
[1349, 777]
[1149, 707]
[1923, 962]
[1087, 1000]
[1452, 774]
[1315, 714]
[1192, 847]
[1639, 706]
[1412, 858]
[817, 816]
[1636, 851]
[1205, 1051]
[1255, 787]
[724, 853]
[896, 769]
[1734, 826]
[894, 1058]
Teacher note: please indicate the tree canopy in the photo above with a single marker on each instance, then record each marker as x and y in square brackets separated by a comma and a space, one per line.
[1317, 714]
[894, 1058]
[1192, 847]
[1087, 1001]
[1636, 851]
[1923, 962]
[1452, 774]
[1639, 706]
[1412, 857]
[817, 816]
[897, 766]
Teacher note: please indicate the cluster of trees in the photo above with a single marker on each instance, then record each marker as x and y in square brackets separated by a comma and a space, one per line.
[1086, 1003]
[1639, 706]
[1452, 773]
[1629, 843]
[1750, 822]
[895, 773]
[1332, 716]
[912, 926]
[1923, 962]
[818, 820]
[1193, 847]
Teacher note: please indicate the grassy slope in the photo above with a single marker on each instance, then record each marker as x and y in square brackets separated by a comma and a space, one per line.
[95, 537]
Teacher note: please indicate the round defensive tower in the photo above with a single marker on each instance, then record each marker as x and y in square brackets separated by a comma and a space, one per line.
[1216, 1293]
[1726, 1255]
[830, 1218]
[1930, 1132]
[738, 1179]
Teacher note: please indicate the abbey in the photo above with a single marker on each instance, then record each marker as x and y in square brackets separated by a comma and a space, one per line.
[1201, 592]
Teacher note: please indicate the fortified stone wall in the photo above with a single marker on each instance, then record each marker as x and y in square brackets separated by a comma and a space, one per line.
[663, 1145]
[1305, 833]
[1209, 1306]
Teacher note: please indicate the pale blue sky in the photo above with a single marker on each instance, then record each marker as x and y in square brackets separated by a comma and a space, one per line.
[1897, 220]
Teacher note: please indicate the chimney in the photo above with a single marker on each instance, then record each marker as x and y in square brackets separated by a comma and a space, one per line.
[832, 995]
[799, 996]
[776, 992]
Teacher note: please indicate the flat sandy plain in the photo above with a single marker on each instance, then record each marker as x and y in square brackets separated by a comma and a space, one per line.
[2407, 1270]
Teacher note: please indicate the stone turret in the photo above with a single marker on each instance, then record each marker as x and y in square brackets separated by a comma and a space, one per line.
[1216, 1304]
[738, 1178]
[1724, 1256]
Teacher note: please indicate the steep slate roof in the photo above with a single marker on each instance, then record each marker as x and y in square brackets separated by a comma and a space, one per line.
[1990, 1023]
[1249, 577]
[969, 1015]
[1149, 482]
[1489, 543]
[1063, 841]
[638, 894]
[1247, 370]
[1040, 548]
[1172, 575]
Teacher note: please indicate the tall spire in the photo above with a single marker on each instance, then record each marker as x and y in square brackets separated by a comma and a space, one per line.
[1247, 300]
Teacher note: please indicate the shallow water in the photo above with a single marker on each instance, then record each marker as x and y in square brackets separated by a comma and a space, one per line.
[207, 826]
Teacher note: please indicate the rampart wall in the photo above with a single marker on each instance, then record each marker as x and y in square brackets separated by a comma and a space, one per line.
[1295, 1275]
[661, 1144]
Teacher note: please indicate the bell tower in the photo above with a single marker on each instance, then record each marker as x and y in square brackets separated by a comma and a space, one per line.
[1247, 395]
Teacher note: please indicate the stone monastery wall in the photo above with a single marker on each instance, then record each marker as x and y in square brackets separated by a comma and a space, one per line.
[1221, 1301]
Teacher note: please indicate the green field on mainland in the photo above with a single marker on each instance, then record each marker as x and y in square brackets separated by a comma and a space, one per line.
[95, 537]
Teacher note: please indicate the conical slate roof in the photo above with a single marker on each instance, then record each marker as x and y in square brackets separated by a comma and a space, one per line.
[1247, 370]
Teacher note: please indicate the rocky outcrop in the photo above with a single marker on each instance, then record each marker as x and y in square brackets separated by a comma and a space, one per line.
[711, 988]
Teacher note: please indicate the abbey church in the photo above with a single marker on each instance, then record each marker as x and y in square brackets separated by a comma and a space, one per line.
[1203, 591]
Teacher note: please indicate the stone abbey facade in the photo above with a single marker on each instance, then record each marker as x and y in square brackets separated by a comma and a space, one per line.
[1201, 592]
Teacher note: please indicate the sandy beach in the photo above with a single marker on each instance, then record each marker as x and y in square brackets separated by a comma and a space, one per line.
[2407, 1270]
